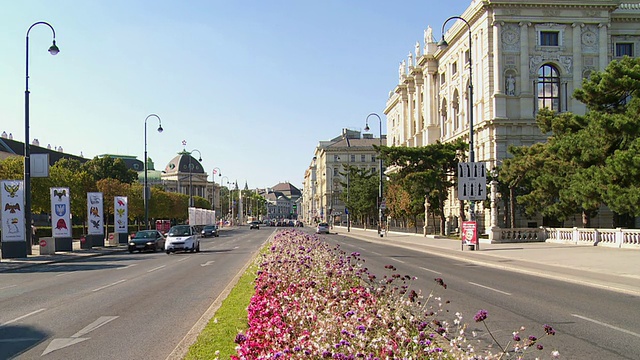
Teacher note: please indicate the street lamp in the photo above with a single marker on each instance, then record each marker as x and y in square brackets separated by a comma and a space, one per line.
[213, 193]
[53, 50]
[346, 209]
[146, 190]
[191, 176]
[443, 45]
[228, 193]
[366, 128]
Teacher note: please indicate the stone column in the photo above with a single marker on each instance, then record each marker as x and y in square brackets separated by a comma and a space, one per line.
[604, 45]
[498, 87]
[426, 215]
[577, 64]
[525, 84]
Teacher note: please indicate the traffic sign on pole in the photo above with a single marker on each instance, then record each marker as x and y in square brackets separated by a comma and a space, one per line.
[472, 181]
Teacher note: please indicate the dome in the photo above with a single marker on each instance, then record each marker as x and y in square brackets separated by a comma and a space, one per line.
[180, 164]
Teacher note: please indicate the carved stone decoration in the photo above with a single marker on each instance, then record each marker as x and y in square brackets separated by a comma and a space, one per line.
[590, 39]
[510, 84]
[551, 13]
[510, 37]
[591, 13]
[535, 61]
[512, 12]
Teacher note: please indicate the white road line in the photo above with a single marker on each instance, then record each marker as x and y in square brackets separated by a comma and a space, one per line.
[65, 273]
[125, 267]
[6, 287]
[490, 288]
[433, 271]
[106, 286]
[400, 261]
[157, 268]
[184, 258]
[607, 325]
[22, 317]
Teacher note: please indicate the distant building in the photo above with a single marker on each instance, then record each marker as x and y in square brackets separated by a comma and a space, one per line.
[324, 181]
[282, 201]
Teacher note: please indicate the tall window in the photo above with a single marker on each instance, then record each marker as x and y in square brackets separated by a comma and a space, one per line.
[362, 158]
[549, 38]
[548, 88]
[623, 49]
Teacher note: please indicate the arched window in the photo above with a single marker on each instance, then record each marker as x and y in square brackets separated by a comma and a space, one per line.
[548, 91]
[455, 105]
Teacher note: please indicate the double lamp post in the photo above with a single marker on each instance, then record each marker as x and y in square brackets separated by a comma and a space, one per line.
[380, 206]
[146, 170]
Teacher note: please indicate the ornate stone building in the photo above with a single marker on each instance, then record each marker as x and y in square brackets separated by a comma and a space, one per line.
[522, 55]
[324, 181]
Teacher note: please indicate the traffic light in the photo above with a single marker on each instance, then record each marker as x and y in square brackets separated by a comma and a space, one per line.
[295, 207]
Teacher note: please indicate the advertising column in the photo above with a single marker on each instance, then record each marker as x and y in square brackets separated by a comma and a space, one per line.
[61, 219]
[120, 219]
[95, 215]
[14, 241]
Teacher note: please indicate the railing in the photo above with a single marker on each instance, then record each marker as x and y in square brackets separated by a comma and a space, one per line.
[617, 238]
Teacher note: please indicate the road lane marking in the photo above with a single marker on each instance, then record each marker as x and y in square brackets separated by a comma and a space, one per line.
[6, 287]
[433, 271]
[207, 263]
[125, 267]
[102, 320]
[184, 258]
[22, 317]
[607, 325]
[106, 286]
[398, 260]
[156, 268]
[490, 288]
[65, 273]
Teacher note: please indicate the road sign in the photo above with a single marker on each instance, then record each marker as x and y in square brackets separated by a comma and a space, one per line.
[43, 243]
[472, 181]
[383, 205]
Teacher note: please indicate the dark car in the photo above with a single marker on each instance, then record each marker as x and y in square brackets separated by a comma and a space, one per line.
[254, 225]
[147, 240]
[210, 230]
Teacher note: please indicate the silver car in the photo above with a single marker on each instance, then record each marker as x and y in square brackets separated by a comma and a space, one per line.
[323, 228]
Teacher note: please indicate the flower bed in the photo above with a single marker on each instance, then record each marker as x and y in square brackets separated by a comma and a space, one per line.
[314, 301]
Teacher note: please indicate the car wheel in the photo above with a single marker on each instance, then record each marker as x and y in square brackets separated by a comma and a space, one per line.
[130, 251]
[168, 252]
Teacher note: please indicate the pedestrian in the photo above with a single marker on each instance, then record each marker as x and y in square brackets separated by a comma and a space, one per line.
[34, 231]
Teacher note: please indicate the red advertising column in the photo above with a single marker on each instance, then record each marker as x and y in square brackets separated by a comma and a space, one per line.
[469, 234]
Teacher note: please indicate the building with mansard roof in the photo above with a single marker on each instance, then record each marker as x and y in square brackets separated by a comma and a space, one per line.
[511, 58]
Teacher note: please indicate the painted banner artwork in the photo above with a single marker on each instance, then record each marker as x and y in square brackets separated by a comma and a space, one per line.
[12, 200]
[60, 212]
[95, 213]
[120, 215]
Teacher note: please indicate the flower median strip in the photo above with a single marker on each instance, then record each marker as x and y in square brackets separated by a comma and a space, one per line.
[311, 301]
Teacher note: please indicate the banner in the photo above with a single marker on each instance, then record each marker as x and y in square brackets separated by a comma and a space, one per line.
[60, 213]
[95, 213]
[120, 215]
[12, 199]
[469, 233]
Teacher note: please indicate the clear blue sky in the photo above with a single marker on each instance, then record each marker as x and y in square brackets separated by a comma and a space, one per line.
[253, 85]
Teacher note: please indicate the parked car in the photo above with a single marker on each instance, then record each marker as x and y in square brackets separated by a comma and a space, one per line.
[254, 225]
[210, 230]
[182, 238]
[323, 228]
[147, 240]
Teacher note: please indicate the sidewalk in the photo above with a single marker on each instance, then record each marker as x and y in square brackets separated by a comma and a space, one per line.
[36, 259]
[602, 267]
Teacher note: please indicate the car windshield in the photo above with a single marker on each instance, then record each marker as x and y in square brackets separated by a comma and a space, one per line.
[179, 231]
[145, 235]
[323, 224]
[209, 228]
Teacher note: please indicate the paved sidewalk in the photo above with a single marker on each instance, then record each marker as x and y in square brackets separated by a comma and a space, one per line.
[607, 268]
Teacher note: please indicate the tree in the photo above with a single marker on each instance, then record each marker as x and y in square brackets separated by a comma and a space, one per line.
[425, 171]
[110, 168]
[363, 193]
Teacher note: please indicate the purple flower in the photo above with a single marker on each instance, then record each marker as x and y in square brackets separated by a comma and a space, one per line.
[480, 316]
[540, 347]
[240, 338]
[549, 330]
[516, 337]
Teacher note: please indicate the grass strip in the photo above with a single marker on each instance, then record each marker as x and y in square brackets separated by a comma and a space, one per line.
[217, 339]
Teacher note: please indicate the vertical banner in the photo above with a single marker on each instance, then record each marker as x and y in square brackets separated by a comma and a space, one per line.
[60, 213]
[120, 214]
[95, 213]
[12, 199]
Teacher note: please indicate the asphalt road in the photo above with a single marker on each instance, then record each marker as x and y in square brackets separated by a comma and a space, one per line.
[120, 306]
[590, 323]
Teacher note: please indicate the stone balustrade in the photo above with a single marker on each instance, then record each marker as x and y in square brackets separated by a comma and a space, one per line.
[617, 238]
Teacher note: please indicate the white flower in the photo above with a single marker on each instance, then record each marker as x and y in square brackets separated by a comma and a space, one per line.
[555, 354]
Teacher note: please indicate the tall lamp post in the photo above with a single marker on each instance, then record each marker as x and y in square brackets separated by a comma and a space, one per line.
[191, 176]
[146, 169]
[366, 128]
[216, 170]
[443, 45]
[228, 193]
[53, 50]
[346, 209]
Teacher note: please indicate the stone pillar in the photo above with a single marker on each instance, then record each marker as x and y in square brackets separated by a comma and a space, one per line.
[604, 45]
[497, 60]
[410, 113]
[577, 65]
[525, 84]
[426, 215]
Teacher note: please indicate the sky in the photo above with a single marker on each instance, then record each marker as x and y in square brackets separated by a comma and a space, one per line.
[250, 86]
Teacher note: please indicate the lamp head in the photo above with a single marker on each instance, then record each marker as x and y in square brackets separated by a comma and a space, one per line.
[53, 49]
[199, 159]
[442, 44]
[366, 127]
[160, 129]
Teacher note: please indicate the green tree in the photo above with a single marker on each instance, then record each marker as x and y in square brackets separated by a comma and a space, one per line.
[12, 168]
[425, 171]
[363, 193]
[110, 168]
